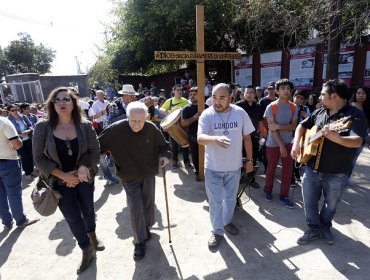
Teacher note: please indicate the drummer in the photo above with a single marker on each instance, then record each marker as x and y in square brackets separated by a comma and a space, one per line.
[189, 119]
[177, 101]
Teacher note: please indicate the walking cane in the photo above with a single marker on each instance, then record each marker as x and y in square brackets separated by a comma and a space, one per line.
[165, 195]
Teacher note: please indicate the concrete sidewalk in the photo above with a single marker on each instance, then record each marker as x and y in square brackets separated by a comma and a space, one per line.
[266, 247]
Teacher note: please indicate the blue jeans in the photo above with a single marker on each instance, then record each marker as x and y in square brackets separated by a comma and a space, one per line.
[11, 193]
[221, 188]
[77, 207]
[315, 184]
[106, 171]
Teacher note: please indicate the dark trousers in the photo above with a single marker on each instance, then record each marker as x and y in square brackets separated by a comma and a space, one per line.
[194, 150]
[25, 153]
[175, 151]
[77, 207]
[140, 201]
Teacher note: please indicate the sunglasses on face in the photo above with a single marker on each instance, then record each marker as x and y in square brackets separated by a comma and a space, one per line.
[64, 100]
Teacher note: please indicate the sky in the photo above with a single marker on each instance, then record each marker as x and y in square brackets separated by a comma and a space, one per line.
[73, 28]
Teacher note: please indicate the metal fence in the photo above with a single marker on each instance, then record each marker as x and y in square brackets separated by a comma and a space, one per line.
[21, 92]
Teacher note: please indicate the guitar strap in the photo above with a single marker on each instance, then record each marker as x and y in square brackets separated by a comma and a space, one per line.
[319, 155]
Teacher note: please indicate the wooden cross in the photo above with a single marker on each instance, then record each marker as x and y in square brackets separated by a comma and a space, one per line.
[199, 56]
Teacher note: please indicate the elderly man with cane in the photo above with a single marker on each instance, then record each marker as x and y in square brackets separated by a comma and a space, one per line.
[137, 146]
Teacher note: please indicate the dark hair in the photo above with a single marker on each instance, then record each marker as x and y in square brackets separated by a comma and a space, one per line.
[366, 93]
[24, 106]
[299, 92]
[339, 87]
[250, 86]
[283, 82]
[52, 114]
[10, 106]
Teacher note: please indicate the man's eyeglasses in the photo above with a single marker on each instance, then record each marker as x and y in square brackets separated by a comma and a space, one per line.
[14, 110]
[62, 100]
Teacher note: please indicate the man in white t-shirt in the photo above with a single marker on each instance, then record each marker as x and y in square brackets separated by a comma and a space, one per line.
[98, 110]
[11, 178]
[224, 128]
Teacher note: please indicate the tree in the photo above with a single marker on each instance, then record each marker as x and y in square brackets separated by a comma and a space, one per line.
[22, 56]
[142, 27]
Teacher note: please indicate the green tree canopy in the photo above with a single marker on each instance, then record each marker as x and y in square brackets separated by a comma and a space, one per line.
[141, 27]
[23, 56]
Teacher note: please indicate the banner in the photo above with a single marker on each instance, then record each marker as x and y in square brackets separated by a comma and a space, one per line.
[345, 66]
[243, 71]
[302, 66]
[367, 68]
[270, 67]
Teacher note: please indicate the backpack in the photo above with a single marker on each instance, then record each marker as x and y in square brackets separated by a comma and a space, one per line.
[274, 105]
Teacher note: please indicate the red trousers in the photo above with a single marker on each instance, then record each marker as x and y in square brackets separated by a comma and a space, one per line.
[273, 156]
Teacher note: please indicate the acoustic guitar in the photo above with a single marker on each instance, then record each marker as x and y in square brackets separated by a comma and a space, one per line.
[312, 138]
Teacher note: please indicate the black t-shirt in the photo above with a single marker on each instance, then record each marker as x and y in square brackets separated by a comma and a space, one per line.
[264, 102]
[336, 158]
[187, 112]
[254, 111]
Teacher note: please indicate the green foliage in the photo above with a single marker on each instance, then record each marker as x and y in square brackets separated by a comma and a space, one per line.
[144, 26]
[23, 56]
[102, 71]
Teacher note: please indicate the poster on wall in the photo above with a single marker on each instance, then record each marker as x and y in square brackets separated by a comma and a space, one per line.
[243, 71]
[367, 68]
[302, 66]
[270, 67]
[345, 66]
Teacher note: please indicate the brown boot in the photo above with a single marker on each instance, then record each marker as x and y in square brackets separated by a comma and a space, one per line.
[98, 244]
[87, 256]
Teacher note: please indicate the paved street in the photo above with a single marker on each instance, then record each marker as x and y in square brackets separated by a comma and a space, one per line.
[266, 247]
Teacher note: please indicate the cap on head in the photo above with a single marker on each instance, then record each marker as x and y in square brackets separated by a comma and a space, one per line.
[271, 85]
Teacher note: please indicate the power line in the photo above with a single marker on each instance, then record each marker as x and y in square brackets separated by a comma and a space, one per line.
[25, 19]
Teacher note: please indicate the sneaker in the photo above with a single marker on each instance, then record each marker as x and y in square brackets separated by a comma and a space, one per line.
[287, 202]
[175, 165]
[188, 164]
[215, 240]
[268, 196]
[8, 227]
[255, 185]
[231, 229]
[28, 222]
[114, 181]
[308, 236]
[328, 236]
[139, 251]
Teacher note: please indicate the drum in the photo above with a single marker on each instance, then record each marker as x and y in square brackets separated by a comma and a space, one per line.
[172, 125]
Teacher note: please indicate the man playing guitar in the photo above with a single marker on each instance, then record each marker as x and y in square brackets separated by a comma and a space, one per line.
[327, 172]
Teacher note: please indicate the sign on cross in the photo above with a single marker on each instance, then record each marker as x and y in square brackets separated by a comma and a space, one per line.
[199, 56]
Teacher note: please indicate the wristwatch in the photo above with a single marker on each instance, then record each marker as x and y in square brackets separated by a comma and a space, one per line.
[249, 160]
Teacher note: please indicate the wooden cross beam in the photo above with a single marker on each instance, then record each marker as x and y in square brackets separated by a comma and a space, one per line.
[199, 56]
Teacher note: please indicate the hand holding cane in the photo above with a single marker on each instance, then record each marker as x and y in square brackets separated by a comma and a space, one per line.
[165, 195]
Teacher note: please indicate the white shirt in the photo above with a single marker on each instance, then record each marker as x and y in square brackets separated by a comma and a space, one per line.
[96, 108]
[7, 131]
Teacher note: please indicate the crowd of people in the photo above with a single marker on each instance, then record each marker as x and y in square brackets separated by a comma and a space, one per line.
[66, 140]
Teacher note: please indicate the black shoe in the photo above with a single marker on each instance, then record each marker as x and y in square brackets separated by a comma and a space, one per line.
[328, 236]
[255, 185]
[187, 164]
[308, 236]
[139, 251]
[175, 165]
